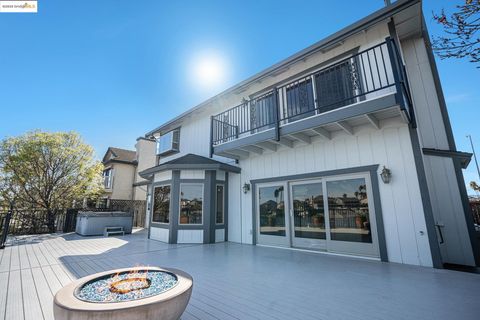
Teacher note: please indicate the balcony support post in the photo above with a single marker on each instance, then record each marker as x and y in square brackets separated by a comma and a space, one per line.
[211, 136]
[396, 72]
[276, 113]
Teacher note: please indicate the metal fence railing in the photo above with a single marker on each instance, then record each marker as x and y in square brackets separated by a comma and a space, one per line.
[33, 221]
[37, 221]
[367, 74]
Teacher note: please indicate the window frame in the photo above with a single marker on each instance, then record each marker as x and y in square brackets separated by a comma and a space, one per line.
[173, 146]
[223, 204]
[180, 203]
[110, 178]
[153, 204]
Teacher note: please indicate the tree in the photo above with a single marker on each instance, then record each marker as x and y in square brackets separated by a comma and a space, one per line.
[474, 186]
[462, 39]
[48, 171]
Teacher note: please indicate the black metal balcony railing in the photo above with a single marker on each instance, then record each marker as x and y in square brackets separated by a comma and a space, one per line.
[362, 76]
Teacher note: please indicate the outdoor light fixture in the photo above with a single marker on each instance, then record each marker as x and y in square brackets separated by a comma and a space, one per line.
[246, 187]
[386, 175]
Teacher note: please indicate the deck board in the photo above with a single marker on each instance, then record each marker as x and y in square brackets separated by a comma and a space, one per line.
[233, 281]
[14, 308]
[31, 304]
[45, 296]
[52, 280]
[5, 262]
[3, 293]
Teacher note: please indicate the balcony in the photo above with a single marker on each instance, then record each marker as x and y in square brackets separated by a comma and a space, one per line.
[363, 88]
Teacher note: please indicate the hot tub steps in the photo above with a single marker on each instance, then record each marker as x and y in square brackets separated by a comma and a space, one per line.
[113, 231]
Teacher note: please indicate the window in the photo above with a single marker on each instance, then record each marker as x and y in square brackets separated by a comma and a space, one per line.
[219, 205]
[169, 142]
[161, 204]
[107, 178]
[191, 203]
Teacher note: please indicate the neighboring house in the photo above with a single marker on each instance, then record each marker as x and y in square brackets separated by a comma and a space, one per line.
[357, 120]
[121, 167]
[119, 173]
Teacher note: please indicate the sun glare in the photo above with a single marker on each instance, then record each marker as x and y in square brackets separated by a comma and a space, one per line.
[209, 70]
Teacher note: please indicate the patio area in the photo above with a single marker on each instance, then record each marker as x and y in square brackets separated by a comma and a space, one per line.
[233, 281]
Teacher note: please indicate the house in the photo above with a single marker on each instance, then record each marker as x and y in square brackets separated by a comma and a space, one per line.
[358, 120]
[121, 167]
[118, 173]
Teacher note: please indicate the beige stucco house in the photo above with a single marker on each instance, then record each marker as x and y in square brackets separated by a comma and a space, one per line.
[121, 167]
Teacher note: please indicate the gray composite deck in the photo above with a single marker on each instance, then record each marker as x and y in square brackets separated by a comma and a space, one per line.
[233, 281]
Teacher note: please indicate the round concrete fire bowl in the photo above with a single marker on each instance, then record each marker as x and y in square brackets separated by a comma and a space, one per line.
[130, 293]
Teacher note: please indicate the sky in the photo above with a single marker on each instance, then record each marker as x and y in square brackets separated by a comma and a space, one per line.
[114, 69]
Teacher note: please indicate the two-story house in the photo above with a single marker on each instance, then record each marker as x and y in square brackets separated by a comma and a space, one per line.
[121, 167]
[345, 147]
[118, 173]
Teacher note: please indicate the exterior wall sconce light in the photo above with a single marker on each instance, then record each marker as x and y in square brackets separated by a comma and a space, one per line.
[246, 187]
[386, 175]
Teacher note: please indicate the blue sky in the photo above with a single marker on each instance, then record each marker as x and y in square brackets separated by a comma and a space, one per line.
[114, 69]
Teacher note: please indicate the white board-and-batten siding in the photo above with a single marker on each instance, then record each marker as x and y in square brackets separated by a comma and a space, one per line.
[163, 176]
[160, 234]
[402, 208]
[195, 129]
[443, 186]
[190, 236]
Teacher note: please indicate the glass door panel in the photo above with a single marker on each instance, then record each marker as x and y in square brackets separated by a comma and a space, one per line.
[308, 215]
[350, 216]
[271, 225]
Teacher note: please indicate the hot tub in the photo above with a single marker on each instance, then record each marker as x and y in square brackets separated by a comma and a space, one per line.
[91, 223]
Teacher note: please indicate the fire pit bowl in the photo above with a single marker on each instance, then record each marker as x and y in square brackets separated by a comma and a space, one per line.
[130, 293]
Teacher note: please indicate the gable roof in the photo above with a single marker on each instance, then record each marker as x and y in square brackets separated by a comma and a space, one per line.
[382, 14]
[189, 162]
[119, 155]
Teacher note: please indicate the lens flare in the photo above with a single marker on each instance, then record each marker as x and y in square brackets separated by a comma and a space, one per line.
[209, 70]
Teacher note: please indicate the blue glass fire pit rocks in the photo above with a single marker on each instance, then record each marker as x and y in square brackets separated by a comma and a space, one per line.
[126, 286]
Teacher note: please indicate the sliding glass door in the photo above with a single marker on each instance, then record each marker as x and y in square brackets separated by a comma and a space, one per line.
[334, 214]
[307, 212]
[272, 227]
[352, 227]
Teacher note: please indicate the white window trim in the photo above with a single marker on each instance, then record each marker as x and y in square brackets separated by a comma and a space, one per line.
[110, 178]
[153, 204]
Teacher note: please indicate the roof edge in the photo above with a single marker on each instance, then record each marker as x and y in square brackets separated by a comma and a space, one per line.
[464, 157]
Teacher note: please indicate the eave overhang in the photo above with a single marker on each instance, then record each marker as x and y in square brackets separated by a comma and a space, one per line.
[189, 162]
[464, 157]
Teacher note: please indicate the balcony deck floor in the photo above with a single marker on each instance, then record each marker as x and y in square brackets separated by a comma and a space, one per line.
[233, 281]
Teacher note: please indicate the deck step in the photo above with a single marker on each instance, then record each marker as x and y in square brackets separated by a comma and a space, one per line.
[113, 231]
